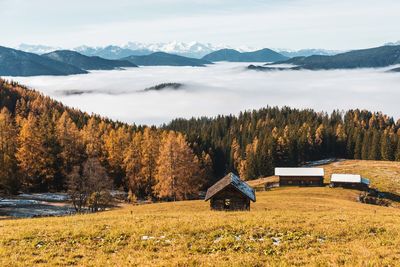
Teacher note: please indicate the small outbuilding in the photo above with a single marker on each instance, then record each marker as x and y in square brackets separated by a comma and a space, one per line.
[349, 181]
[300, 176]
[230, 193]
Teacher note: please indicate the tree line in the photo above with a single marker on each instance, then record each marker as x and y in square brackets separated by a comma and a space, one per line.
[45, 146]
[255, 142]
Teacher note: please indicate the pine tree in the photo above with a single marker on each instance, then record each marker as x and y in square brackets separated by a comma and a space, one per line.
[387, 152]
[398, 150]
[374, 151]
[8, 162]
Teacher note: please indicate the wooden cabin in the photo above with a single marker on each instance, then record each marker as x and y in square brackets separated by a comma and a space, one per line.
[230, 193]
[349, 181]
[300, 176]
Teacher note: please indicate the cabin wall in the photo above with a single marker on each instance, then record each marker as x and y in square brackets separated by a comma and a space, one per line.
[229, 199]
[301, 181]
[358, 186]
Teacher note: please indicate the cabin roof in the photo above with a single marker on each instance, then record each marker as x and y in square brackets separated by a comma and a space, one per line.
[349, 178]
[299, 171]
[234, 180]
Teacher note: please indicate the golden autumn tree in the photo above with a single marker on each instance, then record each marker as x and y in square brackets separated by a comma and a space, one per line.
[8, 147]
[150, 147]
[35, 158]
[115, 143]
[91, 134]
[133, 165]
[178, 172]
[69, 138]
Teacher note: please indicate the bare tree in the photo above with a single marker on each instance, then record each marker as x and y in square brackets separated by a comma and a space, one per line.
[89, 186]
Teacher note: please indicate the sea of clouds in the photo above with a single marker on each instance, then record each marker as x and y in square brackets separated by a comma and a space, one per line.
[223, 88]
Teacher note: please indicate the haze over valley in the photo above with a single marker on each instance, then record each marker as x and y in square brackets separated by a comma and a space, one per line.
[221, 88]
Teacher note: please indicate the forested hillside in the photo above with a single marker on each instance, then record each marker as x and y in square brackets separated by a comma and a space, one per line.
[254, 142]
[45, 146]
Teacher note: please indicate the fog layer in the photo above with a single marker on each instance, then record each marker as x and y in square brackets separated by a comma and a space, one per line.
[223, 88]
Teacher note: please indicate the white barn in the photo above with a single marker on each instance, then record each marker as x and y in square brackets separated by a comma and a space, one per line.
[349, 181]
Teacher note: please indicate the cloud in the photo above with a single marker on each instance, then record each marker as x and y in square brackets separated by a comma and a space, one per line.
[289, 23]
[224, 88]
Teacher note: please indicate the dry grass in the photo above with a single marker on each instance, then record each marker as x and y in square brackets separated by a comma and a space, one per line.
[286, 226]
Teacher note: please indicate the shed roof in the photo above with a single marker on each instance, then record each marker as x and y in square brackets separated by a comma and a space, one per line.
[349, 178]
[299, 171]
[234, 180]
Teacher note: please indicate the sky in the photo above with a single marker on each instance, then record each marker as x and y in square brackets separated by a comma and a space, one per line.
[292, 24]
[222, 88]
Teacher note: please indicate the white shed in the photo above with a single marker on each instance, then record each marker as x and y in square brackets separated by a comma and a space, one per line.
[349, 180]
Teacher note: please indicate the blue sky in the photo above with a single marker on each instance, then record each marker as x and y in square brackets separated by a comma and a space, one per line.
[295, 24]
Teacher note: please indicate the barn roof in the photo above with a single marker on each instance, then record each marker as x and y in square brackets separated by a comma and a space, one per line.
[349, 178]
[234, 180]
[299, 171]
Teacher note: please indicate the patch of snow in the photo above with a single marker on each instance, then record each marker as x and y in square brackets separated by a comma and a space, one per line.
[46, 196]
[276, 241]
[320, 162]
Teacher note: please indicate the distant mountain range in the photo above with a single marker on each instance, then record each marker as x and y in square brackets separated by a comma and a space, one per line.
[165, 59]
[18, 63]
[231, 55]
[86, 62]
[192, 50]
[365, 58]
[65, 62]
[307, 52]
[111, 51]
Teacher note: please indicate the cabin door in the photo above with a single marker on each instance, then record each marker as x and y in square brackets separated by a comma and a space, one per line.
[227, 204]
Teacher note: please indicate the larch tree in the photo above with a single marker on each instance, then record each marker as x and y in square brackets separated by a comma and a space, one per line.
[150, 148]
[133, 166]
[91, 135]
[29, 153]
[8, 147]
[115, 143]
[178, 172]
[69, 138]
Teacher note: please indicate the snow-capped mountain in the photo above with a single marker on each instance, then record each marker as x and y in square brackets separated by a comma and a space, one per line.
[37, 49]
[307, 52]
[393, 43]
[191, 49]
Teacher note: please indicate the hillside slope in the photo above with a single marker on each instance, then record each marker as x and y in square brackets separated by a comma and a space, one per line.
[18, 63]
[291, 226]
[384, 175]
[366, 58]
[231, 55]
[86, 62]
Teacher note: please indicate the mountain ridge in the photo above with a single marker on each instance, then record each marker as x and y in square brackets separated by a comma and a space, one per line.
[165, 59]
[18, 63]
[85, 62]
[232, 55]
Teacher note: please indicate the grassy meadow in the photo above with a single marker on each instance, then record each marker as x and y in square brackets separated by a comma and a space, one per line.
[286, 226]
